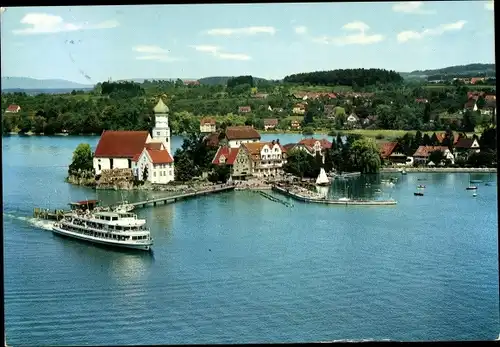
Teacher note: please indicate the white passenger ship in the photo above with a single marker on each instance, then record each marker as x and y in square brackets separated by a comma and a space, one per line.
[115, 228]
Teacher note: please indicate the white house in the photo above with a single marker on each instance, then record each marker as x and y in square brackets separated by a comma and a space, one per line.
[207, 125]
[352, 118]
[123, 149]
[267, 158]
[116, 149]
[237, 135]
[156, 163]
[13, 109]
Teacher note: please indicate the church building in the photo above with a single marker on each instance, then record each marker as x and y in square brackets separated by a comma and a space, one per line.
[149, 157]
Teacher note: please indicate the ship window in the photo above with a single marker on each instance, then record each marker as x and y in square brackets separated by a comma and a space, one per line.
[134, 238]
[114, 218]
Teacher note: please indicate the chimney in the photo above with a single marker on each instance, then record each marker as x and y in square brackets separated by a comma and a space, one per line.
[278, 141]
[272, 142]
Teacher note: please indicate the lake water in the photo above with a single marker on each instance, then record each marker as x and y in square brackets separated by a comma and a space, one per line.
[238, 268]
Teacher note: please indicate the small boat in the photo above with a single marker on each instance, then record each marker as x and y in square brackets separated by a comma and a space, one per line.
[420, 186]
[378, 190]
[488, 184]
[475, 194]
[418, 194]
[476, 181]
[403, 172]
[421, 179]
[471, 188]
[322, 179]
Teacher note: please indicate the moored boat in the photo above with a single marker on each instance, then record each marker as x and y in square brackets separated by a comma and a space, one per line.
[418, 194]
[421, 186]
[471, 188]
[322, 179]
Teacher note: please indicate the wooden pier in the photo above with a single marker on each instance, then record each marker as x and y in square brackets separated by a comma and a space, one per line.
[273, 198]
[302, 198]
[175, 198]
[56, 215]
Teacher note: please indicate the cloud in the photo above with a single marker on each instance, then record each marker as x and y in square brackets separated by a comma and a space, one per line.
[489, 6]
[153, 53]
[44, 23]
[241, 31]
[216, 52]
[405, 36]
[360, 38]
[411, 7]
[301, 29]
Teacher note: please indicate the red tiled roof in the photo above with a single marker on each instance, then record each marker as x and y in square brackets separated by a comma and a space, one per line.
[243, 132]
[212, 140]
[387, 148]
[289, 146]
[244, 109]
[440, 137]
[311, 142]
[271, 121]
[208, 120]
[421, 100]
[464, 143]
[121, 144]
[13, 108]
[490, 97]
[229, 153]
[160, 157]
[424, 151]
[154, 145]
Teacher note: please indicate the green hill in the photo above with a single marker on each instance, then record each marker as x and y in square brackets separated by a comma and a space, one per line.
[469, 70]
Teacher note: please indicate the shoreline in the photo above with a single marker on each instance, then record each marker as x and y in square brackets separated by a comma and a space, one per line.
[440, 170]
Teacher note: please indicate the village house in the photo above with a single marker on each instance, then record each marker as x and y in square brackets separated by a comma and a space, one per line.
[191, 83]
[295, 124]
[421, 155]
[329, 111]
[156, 162]
[266, 158]
[421, 101]
[465, 147]
[474, 80]
[270, 123]
[260, 96]
[353, 119]
[244, 109]
[226, 155]
[277, 109]
[125, 149]
[207, 125]
[391, 152]
[299, 109]
[236, 135]
[441, 136]
[311, 146]
[13, 109]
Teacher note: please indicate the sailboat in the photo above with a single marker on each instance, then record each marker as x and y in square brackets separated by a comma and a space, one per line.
[322, 179]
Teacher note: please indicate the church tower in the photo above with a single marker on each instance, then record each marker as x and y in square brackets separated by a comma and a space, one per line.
[161, 131]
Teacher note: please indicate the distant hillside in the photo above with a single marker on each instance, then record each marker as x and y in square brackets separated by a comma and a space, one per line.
[457, 70]
[26, 83]
[44, 90]
[223, 80]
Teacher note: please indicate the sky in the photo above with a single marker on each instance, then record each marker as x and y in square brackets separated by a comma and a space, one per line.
[90, 44]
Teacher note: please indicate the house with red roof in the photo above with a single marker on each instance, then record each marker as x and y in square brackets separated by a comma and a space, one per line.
[138, 150]
[244, 109]
[236, 135]
[258, 159]
[13, 109]
[208, 125]
[391, 152]
[270, 123]
[465, 147]
[421, 155]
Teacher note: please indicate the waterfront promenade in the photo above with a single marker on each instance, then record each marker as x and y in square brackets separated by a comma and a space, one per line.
[439, 169]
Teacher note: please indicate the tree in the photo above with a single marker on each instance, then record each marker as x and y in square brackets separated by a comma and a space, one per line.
[308, 131]
[365, 155]
[482, 159]
[145, 173]
[220, 173]
[301, 164]
[488, 140]
[436, 156]
[427, 112]
[418, 138]
[426, 140]
[469, 121]
[184, 167]
[82, 160]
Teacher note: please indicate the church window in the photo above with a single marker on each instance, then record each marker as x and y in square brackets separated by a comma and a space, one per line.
[158, 133]
[154, 173]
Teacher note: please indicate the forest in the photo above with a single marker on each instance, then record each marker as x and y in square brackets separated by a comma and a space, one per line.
[346, 77]
[128, 106]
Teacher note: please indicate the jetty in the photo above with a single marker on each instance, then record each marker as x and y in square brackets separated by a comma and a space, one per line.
[44, 213]
[273, 198]
[175, 198]
[293, 193]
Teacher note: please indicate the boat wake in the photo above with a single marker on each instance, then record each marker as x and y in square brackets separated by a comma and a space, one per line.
[37, 223]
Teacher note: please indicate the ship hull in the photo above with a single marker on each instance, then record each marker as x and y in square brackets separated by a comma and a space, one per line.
[111, 243]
